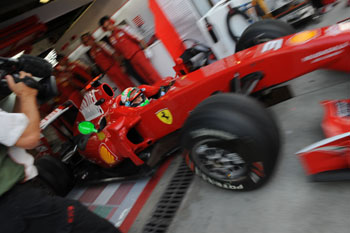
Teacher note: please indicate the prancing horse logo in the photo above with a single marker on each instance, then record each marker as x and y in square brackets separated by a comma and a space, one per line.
[164, 115]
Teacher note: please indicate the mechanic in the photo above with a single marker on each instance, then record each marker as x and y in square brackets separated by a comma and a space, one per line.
[107, 60]
[79, 73]
[70, 77]
[24, 207]
[129, 47]
[142, 95]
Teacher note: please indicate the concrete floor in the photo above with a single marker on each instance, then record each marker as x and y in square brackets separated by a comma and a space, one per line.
[288, 203]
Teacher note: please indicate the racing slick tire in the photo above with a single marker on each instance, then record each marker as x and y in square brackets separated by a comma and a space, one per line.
[55, 174]
[263, 31]
[263, 118]
[233, 144]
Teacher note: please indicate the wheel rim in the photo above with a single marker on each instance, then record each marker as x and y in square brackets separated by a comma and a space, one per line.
[219, 160]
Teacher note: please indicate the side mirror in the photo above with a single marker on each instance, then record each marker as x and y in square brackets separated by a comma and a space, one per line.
[86, 127]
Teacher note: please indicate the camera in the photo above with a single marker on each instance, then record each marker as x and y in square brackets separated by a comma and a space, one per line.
[38, 67]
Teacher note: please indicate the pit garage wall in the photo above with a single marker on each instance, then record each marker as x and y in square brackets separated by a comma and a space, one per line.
[87, 22]
[138, 16]
[181, 13]
[184, 16]
[136, 13]
[202, 6]
[48, 12]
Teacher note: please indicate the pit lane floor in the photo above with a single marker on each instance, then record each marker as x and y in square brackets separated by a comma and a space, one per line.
[286, 204]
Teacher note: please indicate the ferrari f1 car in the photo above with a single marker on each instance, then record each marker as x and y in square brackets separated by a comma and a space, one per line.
[227, 137]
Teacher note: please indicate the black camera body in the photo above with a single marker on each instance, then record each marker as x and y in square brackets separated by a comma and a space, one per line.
[38, 67]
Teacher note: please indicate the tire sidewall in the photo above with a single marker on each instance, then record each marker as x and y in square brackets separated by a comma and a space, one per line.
[245, 105]
[252, 110]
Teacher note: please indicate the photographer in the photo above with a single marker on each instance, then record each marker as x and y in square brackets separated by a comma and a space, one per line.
[24, 207]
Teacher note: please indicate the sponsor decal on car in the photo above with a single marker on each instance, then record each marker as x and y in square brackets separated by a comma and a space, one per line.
[88, 108]
[303, 37]
[165, 116]
[52, 116]
[217, 183]
[343, 108]
[327, 53]
[344, 26]
[107, 155]
[332, 30]
[272, 45]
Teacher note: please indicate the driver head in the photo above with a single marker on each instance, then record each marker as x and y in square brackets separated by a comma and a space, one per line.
[134, 97]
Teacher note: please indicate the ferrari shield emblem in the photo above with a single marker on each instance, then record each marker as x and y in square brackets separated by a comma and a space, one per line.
[164, 115]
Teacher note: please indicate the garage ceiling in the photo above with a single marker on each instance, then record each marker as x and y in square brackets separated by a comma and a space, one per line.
[58, 15]
[64, 19]
[11, 8]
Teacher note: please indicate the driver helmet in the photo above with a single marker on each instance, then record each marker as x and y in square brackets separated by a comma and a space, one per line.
[134, 97]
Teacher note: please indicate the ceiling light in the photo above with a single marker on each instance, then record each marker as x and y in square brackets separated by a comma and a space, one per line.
[44, 1]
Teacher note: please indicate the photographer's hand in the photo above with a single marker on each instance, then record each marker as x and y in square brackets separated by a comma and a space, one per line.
[20, 89]
[26, 103]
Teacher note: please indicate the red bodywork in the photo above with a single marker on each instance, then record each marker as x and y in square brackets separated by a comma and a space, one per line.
[279, 60]
[333, 153]
[327, 155]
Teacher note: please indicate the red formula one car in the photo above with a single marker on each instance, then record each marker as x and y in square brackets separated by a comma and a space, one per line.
[227, 137]
[329, 159]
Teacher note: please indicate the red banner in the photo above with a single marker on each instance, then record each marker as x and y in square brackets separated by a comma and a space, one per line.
[166, 32]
